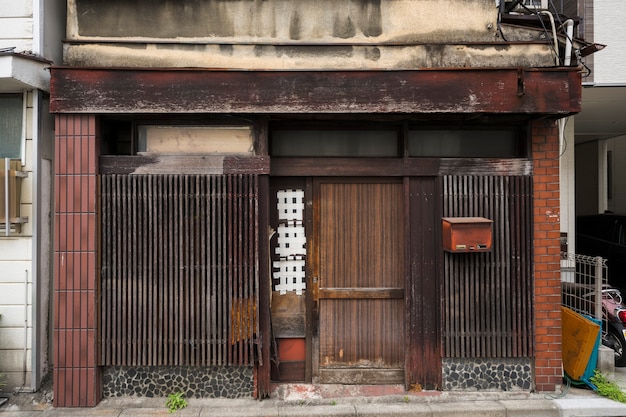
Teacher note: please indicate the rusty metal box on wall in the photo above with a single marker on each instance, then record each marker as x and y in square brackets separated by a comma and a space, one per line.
[467, 234]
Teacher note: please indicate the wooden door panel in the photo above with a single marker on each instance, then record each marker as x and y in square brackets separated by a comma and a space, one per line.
[362, 333]
[360, 233]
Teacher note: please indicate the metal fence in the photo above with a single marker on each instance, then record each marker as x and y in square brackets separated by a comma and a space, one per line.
[583, 283]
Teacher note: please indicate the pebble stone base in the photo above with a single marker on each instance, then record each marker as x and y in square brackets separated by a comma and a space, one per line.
[460, 374]
[198, 382]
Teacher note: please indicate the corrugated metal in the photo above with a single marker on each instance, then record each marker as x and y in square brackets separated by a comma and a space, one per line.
[488, 296]
[179, 269]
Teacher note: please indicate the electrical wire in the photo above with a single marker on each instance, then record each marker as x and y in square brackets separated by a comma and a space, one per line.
[564, 138]
[568, 385]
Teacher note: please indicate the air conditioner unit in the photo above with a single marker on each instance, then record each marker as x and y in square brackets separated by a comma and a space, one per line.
[536, 4]
[523, 5]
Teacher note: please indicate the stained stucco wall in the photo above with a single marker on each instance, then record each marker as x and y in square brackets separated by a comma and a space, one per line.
[283, 34]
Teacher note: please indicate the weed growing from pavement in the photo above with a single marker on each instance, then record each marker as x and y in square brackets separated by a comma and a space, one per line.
[176, 402]
[607, 388]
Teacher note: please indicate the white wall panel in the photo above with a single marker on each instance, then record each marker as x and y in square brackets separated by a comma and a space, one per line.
[16, 8]
[16, 28]
[610, 63]
[14, 271]
[12, 365]
[13, 294]
[13, 338]
[617, 146]
[13, 316]
[12, 249]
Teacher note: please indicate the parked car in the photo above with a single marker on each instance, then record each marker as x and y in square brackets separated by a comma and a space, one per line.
[605, 235]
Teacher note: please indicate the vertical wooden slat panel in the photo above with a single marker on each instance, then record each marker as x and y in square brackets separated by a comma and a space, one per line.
[350, 259]
[179, 270]
[488, 295]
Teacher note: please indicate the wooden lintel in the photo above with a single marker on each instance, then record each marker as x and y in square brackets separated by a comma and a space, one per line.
[540, 91]
[184, 164]
[398, 167]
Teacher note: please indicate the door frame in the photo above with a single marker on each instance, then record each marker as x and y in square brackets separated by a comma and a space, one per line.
[423, 212]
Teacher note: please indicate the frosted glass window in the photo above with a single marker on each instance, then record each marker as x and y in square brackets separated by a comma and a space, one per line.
[194, 140]
[464, 143]
[335, 143]
[11, 126]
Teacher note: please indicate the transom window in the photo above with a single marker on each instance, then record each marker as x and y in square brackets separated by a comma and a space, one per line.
[420, 142]
[464, 143]
[335, 143]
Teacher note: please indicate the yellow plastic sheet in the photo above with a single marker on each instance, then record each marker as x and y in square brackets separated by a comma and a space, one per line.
[579, 338]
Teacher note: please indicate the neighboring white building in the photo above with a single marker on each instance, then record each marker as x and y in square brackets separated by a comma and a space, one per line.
[600, 129]
[30, 40]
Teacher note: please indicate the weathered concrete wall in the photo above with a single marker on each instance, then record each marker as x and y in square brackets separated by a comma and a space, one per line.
[283, 34]
[273, 21]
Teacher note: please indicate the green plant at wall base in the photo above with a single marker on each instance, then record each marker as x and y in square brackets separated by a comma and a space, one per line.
[176, 402]
[607, 388]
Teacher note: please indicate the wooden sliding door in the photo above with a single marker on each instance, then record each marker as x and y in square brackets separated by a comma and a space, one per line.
[359, 279]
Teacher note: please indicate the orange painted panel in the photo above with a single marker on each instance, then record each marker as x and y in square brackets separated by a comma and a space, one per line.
[291, 349]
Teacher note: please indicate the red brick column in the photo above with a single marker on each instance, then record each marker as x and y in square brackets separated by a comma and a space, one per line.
[76, 375]
[547, 267]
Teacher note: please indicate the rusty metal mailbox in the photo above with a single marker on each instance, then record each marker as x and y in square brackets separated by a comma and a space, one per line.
[467, 234]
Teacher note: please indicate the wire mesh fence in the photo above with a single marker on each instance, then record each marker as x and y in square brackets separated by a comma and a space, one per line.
[584, 284]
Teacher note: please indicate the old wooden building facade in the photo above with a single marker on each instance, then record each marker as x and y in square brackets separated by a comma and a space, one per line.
[251, 191]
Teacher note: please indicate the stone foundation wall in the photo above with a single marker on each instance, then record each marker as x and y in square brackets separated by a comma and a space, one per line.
[461, 374]
[198, 382]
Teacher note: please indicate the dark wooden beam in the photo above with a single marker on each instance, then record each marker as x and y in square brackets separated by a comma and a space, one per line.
[185, 164]
[544, 91]
[360, 293]
[398, 167]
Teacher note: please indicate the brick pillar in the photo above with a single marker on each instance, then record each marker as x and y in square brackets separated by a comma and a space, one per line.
[547, 267]
[76, 375]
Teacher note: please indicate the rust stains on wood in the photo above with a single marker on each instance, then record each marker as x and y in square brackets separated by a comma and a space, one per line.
[186, 164]
[398, 167]
[546, 91]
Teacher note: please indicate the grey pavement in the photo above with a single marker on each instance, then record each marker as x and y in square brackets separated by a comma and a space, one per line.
[572, 402]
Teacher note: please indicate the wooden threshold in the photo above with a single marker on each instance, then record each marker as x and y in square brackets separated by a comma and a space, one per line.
[360, 376]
